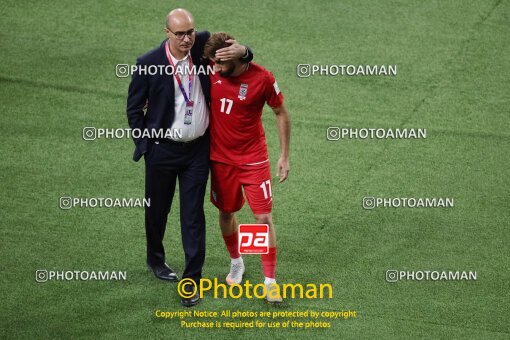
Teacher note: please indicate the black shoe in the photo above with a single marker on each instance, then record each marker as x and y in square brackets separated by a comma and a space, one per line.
[193, 300]
[164, 272]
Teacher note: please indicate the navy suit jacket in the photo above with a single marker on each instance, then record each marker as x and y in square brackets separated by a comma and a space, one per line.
[159, 91]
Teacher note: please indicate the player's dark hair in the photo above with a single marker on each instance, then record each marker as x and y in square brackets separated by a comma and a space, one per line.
[216, 42]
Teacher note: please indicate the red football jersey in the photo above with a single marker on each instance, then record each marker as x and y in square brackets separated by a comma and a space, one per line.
[237, 134]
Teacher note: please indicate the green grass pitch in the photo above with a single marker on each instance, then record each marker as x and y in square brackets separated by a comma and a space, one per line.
[57, 75]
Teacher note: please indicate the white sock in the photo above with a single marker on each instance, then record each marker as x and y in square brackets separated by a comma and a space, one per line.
[269, 281]
[237, 261]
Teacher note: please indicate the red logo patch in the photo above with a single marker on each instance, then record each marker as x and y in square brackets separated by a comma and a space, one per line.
[253, 238]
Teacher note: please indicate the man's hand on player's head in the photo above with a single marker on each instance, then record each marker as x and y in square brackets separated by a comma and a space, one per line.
[282, 169]
[232, 52]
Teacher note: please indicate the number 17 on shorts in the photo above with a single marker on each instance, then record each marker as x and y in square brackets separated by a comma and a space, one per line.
[253, 238]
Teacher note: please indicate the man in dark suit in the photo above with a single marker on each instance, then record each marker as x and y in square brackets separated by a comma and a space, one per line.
[178, 103]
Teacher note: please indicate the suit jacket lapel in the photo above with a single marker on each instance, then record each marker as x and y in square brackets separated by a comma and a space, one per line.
[168, 78]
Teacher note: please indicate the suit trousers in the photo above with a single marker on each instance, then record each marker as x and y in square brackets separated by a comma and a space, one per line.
[165, 163]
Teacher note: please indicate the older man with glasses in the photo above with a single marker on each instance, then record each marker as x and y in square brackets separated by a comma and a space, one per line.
[176, 102]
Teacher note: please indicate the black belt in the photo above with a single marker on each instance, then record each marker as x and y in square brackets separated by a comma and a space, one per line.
[174, 142]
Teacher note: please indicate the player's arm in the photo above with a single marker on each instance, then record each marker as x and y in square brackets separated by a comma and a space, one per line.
[283, 125]
[235, 51]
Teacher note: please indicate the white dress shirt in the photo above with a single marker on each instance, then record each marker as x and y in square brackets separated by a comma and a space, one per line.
[200, 117]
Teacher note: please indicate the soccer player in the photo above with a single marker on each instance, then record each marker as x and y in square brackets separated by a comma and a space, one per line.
[239, 157]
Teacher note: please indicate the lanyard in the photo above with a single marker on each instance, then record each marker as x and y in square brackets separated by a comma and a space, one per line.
[178, 78]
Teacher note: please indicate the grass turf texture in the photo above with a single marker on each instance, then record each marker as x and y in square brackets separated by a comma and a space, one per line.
[57, 76]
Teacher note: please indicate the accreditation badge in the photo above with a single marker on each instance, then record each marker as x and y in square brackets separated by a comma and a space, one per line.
[188, 114]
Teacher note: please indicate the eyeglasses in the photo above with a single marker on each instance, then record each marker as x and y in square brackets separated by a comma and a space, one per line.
[181, 35]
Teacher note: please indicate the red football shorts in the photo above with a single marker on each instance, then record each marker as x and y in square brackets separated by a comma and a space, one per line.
[228, 182]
